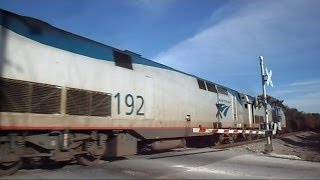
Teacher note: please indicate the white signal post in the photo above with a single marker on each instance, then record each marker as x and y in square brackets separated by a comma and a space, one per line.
[266, 79]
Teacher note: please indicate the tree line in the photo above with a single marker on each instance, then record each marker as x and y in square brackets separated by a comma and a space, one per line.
[297, 120]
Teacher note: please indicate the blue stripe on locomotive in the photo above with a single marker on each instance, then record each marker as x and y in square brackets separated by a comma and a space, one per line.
[44, 33]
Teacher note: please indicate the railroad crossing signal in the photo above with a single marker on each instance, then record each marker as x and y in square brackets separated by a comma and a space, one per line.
[269, 74]
[266, 79]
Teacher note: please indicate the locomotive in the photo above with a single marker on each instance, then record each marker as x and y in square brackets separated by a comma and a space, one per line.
[65, 97]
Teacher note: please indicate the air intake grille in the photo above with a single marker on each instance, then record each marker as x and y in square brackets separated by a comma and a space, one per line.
[29, 97]
[101, 104]
[78, 102]
[14, 96]
[88, 103]
[45, 99]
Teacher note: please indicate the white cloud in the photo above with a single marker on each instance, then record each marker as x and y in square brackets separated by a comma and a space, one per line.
[307, 82]
[306, 102]
[252, 29]
[303, 95]
[152, 8]
[298, 87]
[221, 47]
[148, 3]
[232, 44]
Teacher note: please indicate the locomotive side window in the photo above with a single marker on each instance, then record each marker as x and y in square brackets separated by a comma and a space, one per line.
[211, 87]
[239, 96]
[122, 60]
[201, 84]
[222, 90]
[258, 119]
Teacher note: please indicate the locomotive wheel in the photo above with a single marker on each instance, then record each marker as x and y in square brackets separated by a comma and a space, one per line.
[251, 137]
[248, 137]
[224, 139]
[232, 138]
[88, 160]
[217, 143]
[93, 156]
[218, 138]
[8, 168]
[255, 136]
[240, 137]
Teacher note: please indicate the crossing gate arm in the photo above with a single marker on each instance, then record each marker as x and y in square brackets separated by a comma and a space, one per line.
[226, 131]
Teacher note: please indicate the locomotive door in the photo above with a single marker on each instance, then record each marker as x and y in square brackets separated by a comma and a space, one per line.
[235, 110]
[250, 114]
[149, 98]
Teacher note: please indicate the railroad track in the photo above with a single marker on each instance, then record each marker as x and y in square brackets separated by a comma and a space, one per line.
[277, 136]
[191, 151]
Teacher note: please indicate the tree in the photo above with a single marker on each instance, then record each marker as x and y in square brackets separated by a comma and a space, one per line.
[296, 120]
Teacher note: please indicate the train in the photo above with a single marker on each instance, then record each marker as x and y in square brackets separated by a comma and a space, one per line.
[65, 97]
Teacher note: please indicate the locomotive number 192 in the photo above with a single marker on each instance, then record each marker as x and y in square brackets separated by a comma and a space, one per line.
[130, 101]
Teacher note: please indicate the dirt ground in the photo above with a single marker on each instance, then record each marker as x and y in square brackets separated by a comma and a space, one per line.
[303, 146]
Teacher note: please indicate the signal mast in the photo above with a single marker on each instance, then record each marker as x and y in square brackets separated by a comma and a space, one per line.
[266, 80]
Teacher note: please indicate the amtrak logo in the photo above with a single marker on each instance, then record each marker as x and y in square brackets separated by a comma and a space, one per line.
[222, 109]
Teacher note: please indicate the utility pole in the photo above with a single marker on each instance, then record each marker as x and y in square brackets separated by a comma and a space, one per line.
[266, 79]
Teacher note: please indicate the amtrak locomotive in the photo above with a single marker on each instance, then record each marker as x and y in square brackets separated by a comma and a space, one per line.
[65, 97]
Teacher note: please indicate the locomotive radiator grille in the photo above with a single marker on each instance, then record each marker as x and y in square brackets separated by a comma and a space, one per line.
[88, 103]
[14, 96]
[101, 104]
[45, 99]
[29, 97]
[77, 102]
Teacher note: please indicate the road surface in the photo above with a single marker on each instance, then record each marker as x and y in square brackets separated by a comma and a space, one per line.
[189, 164]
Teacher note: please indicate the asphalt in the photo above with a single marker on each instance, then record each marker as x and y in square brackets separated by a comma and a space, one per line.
[187, 164]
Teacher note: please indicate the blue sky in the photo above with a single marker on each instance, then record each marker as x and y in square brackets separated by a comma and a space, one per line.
[220, 41]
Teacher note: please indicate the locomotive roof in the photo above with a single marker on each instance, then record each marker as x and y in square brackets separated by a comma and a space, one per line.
[47, 34]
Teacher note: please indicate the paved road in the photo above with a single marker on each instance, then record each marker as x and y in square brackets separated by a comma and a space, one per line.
[190, 164]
